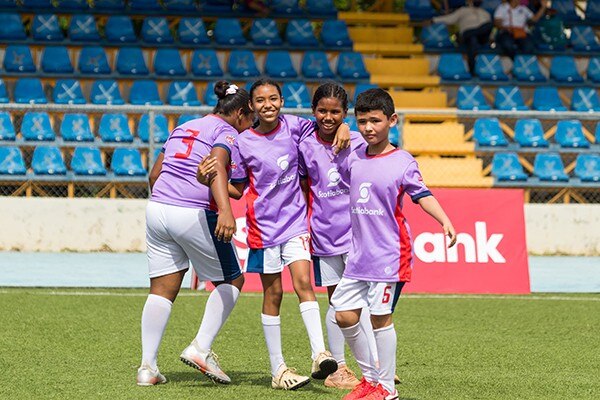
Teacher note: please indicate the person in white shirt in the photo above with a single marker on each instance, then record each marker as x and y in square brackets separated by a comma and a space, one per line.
[512, 21]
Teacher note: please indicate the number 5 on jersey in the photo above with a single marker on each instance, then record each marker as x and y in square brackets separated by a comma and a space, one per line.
[387, 296]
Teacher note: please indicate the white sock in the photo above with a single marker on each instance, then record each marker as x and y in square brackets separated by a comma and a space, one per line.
[365, 323]
[218, 307]
[335, 337]
[357, 341]
[386, 345]
[312, 321]
[272, 329]
[155, 317]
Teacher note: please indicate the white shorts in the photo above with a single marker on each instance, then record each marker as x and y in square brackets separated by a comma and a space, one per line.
[271, 260]
[380, 297]
[176, 236]
[329, 269]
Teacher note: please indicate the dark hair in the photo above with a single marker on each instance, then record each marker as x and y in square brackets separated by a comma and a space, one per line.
[264, 82]
[231, 102]
[330, 89]
[374, 99]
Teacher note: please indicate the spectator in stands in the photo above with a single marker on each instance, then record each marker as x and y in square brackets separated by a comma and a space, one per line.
[474, 24]
[512, 20]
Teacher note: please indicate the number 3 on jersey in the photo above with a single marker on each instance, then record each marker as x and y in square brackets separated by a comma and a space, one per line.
[189, 141]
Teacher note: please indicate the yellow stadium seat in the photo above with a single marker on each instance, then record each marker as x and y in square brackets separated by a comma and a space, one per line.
[453, 172]
[388, 49]
[447, 138]
[419, 99]
[375, 18]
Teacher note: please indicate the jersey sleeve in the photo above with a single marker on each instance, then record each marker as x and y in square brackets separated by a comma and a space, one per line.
[225, 139]
[300, 128]
[413, 184]
[238, 167]
[302, 172]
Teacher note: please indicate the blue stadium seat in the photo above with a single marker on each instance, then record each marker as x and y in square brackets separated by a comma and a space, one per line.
[316, 66]
[490, 5]
[48, 160]
[180, 5]
[507, 167]
[587, 167]
[593, 70]
[452, 67]
[156, 30]
[109, 5]
[350, 65]
[127, 162]
[161, 128]
[114, 128]
[29, 91]
[144, 92]
[192, 31]
[583, 38]
[546, 98]
[529, 133]
[9, 4]
[56, 60]
[592, 12]
[487, 132]
[106, 92]
[210, 98]
[351, 121]
[362, 87]
[242, 64]
[320, 7]
[37, 4]
[334, 33]
[299, 33]
[130, 61]
[36, 126]
[597, 136]
[419, 10]
[67, 91]
[72, 5]
[119, 29]
[11, 161]
[549, 167]
[7, 129]
[264, 32]
[563, 69]
[569, 133]
[566, 10]
[183, 118]
[45, 27]
[278, 64]
[11, 27]
[83, 28]
[93, 60]
[470, 97]
[144, 5]
[296, 95]
[585, 99]
[436, 37]
[18, 58]
[228, 31]
[488, 67]
[216, 6]
[289, 7]
[76, 128]
[509, 98]
[206, 63]
[167, 62]
[3, 93]
[527, 69]
[87, 161]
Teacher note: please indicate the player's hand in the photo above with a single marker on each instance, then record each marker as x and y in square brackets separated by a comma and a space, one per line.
[206, 170]
[225, 227]
[451, 233]
[341, 140]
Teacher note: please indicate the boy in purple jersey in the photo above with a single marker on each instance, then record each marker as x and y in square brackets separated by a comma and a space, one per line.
[380, 258]
[182, 227]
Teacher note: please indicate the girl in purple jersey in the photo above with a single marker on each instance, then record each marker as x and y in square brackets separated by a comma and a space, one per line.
[182, 226]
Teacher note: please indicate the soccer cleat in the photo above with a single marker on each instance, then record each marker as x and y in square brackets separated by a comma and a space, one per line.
[380, 393]
[288, 379]
[396, 380]
[205, 362]
[323, 365]
[363, 389]
[343, 378]
[147, 376]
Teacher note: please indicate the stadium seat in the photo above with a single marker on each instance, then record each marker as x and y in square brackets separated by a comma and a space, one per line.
[83, 29]
[490, 5]
[29, 91]
[109, 5]
[106, 92]
[452, 67]
[114, 128]
[569, 133]
[566, 10]
[549, 167]
[228, 31]
[507, 167]
[278, 64]
[546, 98]
[144, 5]
[470, 97]
[87, 161]
[3, 93]
[436, 37]
[593, 69]
[36, 126]
[130, 61]
[72, 5]
[210, 98]
[527, 69]
[67, 91]
[320, 7]
[127, 162]
[585, 99]
[592, 12]
[167, 62]
[296, 95]
[419, 9]
[161, 128]
[183, 118]
[156, 30]
[334, 33]
[587, 167]
[289, 7]
[11, 27]
[45, 27]
[192, 31]
[316, 66]
[7, 129]
[144, 92]
[509, 98]
[182, 93]
[264, 32]
[180, 5]
[76, 128]
[242, 64]
[216, 6]
[583, 38]
[37, 4]
[93, 60]
[17, 58]
[299, 33]
[529, 133]
[487, 132]
[350, 65]
[361, 87]
[563, 69]
[488, 67]
[56, 60]
[206, 63]
[9, 4]
[11, 161]
[119, 29]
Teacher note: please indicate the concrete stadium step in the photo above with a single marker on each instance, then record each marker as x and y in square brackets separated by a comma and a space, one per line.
[447, 138]
[374, 18]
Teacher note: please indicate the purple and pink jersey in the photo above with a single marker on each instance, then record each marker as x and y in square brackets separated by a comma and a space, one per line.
[328, 178]
[184, 149]
[381, 248]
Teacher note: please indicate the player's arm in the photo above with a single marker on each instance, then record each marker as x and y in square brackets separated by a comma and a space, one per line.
[219, 187]
[305, 188]
[207, 172]
[156, 168]
[432, 207]
[341, 140]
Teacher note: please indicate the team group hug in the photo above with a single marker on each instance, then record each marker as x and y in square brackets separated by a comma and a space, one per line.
[315, 191]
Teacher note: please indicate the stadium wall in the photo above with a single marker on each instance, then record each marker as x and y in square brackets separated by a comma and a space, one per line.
[57, 224]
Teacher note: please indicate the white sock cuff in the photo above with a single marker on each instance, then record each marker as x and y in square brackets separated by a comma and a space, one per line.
[228, 287]
[385, 328]
[309, 305]
[154, 298]
[352, 330]
[270, 320]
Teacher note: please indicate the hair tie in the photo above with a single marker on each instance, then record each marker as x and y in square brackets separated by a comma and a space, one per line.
[232, 89]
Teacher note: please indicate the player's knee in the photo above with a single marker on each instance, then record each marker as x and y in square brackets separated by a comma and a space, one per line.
[346, 319]
[381, 321]
[274, 295]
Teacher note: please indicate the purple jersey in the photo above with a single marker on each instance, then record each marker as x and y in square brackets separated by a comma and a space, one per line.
[183, 151]
[328, 178]
[276, 210]
[381, 248]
